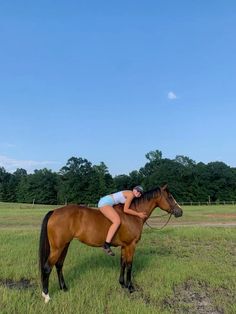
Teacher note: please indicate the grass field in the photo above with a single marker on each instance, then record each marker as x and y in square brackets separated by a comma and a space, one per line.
[188, 268]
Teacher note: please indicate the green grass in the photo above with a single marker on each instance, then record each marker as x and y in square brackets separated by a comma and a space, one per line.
[203, 214]
[176, 270]
[25, 216]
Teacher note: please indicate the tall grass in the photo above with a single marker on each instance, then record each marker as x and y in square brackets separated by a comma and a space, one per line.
[177, 270]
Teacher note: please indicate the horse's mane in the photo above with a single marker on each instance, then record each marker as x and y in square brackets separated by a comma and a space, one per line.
[146, 196]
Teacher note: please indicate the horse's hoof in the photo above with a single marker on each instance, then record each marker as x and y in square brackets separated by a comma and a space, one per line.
[131, 289]
[46, 297]
[122, 283]
[63, 287]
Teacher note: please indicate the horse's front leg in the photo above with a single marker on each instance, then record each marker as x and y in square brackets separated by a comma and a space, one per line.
[129, 283]
[122, 268]
[129, 253]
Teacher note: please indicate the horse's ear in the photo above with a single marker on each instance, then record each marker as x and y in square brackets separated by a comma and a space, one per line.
[165, 187]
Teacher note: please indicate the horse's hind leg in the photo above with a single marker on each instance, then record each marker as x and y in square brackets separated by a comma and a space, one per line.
[59, 266]
[45, 279]
[53, 257]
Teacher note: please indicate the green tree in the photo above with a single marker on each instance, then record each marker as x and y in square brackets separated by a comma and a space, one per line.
[185, 161]
[81, 182]
[220, 180]
[154, 155]
[75, 178]
[7, 186]
[122, 182]
[100, 184]
[40, 187]
[136, 178]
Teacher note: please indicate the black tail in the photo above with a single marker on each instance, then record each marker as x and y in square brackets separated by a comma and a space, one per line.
[44, 247]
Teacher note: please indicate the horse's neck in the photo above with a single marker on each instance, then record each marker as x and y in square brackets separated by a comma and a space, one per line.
[146, 206]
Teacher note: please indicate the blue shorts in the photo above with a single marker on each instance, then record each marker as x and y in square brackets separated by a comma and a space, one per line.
[106, 200]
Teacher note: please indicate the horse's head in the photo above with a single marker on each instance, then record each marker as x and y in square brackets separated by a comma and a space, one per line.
[168, 203]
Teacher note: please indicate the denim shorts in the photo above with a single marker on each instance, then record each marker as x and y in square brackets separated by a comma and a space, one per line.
[106, 200]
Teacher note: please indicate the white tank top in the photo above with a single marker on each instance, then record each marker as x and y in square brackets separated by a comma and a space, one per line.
[119, 197]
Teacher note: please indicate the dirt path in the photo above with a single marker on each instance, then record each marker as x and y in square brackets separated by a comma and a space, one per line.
[155, 223]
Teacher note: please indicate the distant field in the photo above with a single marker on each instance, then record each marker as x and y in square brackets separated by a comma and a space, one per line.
[27, 216]
[199, 215]
[176, 270]
[30, 216]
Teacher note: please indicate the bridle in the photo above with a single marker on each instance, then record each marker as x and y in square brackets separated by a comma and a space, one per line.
[172, 207]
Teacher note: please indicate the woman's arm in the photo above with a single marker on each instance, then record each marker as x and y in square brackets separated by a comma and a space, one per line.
[129, 197]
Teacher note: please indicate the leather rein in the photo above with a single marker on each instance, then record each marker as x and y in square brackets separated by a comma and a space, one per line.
[158, 216]
[165, 224]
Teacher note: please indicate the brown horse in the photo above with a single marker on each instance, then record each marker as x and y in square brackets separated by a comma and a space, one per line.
[89, 226]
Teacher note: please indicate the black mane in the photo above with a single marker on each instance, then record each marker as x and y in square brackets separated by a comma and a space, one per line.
[146, 196]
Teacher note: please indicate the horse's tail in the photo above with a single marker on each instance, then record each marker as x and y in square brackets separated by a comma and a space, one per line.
[44, 246]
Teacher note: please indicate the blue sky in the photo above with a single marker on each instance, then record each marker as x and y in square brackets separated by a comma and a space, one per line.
[112, 80]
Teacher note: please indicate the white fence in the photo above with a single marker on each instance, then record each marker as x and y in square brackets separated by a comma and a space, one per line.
[188, 203]
[208, 203]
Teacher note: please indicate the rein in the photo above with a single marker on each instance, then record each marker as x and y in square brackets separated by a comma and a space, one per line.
[172, 208]
[171, 213]
[158, 217]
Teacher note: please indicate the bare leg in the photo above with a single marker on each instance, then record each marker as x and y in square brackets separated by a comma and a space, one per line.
[111, 214]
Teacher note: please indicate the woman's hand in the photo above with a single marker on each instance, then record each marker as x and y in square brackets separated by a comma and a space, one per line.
[142, 215]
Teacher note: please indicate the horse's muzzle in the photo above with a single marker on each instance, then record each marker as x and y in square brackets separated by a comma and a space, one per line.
[177, 212]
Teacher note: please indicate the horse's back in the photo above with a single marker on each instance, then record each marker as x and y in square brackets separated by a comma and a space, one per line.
[77, 221]
[88, 225]
[71, 215]
[73, 208]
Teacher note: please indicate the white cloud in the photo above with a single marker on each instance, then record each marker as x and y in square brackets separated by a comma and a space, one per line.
[10, 164]
[7, 145]
[171, 96]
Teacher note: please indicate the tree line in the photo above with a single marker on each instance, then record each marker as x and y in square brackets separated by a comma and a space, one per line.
[81, 182]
